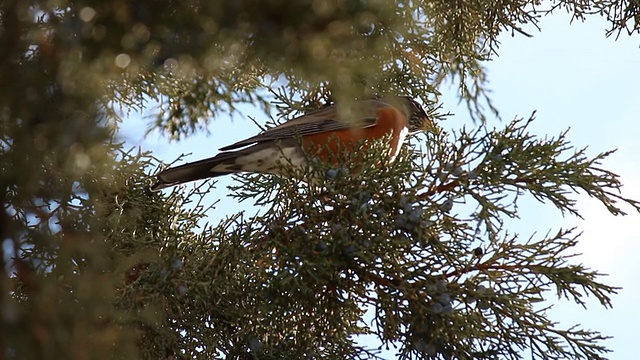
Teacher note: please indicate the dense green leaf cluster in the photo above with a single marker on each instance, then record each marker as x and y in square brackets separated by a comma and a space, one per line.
[413, 253]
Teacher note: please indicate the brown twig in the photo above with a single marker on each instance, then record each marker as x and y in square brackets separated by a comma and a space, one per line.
[482, 267]
[438, 189]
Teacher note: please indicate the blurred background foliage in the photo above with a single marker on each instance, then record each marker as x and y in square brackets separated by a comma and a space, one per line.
[96, 267]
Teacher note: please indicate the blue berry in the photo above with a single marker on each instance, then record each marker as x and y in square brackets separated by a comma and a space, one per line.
[299, 232]
[444, 299]
[401, 222]
[447, 205]
[331, 173]
[426, 223]
[448, 166]
[182, 290]
[409, 226]
[430, 350]
[350, 250]
[441, 285]
[255, 345]
[415, 215]
[422, 328]
[419, 345]
[364, 196]
[478, 252]
[403, 201]
[425, 348]
[436, 308]
[457, 171]
[270, 294]
[407, 208]
[321, 246]
[447, 309]
[177, 264]
[482, 290]
[431, 289]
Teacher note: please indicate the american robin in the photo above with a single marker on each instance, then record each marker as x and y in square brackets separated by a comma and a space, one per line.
[320, 132]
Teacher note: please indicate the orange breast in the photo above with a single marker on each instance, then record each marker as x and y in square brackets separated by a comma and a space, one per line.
[390, 121]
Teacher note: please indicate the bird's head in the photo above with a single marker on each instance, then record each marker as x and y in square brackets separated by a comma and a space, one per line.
[418, 119]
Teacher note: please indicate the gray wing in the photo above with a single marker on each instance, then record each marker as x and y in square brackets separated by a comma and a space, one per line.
[315, 122]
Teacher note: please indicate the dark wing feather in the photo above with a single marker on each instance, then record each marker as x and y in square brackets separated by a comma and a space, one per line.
[315, 122]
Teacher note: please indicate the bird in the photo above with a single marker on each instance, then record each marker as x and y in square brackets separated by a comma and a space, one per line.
[317, 133]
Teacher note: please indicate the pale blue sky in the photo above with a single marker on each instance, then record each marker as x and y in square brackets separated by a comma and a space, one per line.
[574, 77]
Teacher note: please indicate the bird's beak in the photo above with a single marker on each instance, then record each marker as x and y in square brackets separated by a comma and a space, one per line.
[427, 125]
[430, 126]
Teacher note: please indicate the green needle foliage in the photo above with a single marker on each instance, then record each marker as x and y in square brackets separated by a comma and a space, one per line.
[419, 242]
[415, 254]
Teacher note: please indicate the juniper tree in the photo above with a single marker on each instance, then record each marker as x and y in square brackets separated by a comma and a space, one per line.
[95, 266]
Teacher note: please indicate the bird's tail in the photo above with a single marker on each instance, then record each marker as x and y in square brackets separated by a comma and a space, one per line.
[188, 172]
